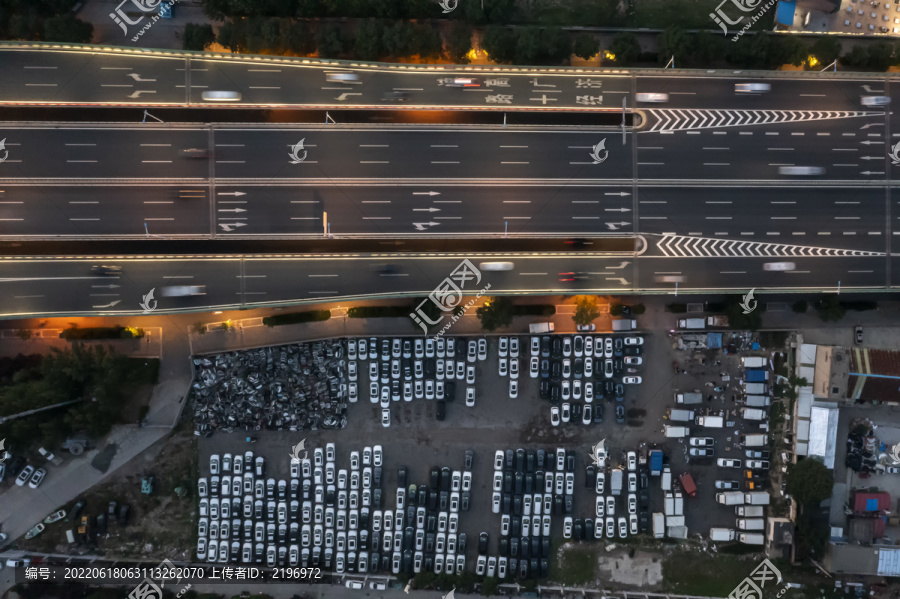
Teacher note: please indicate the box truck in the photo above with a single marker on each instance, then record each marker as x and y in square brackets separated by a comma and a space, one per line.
[752, 538]
[755, 440]
[626, 324]
[540, 327]
[669, 503]
[677, 431]
[756, 375]
[674, 521]
[757, 498]
[755, 388]
[679, 503]
[688, 398]
[750, 523]
[687, 483]
[656, 462]
[758, 401]
[666, 479]
[755, 362]
[615, 484]
[753, 414]
[681, 415]
[721, 534]
[730, 498]
[717, 321]
[659, 525]
[691, 323]
[749, 511]
[711, 421]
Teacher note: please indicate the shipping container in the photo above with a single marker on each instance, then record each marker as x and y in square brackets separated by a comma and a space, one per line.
[755, 388]
[730, 498]
[755, 440]
[753, 414]
[688, 398]
[757, 498]
[677, 431]
[711, 421]
[749, 511]
[758, 401]
[721, 534]
[750, 523]
[624, 325]
[691, 323]
[666, 479]
[752, 538]
[756, 375]
[681, 415]
[659, 525]
[755, 362]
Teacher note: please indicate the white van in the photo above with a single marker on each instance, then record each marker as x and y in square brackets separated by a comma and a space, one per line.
[801, 170]
[341, 77]
[220, 96]
[496, 265]
[875, 100]
[182, 290]
[751, 88]
[646, 97]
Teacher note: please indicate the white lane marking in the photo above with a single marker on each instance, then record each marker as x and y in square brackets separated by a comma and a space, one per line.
[515, 162]
[38, 67]
[718, 218]
[846, 218]
[652, 148]
[516, 201]
[90, 145]
[532, 274]
[374, 146]
[812, 95]
[260, 87]
[156, 145]
[591, 218]
[374, 161]
[642, 163]
[72, 202]
[782, 202]
[861, 271]
[823, 134]
[711, 148]
[514, 217]
[845, 149]
[322, 275]
[444, 162]
[517, 147]
[376, 202]
[781, 149]
[745, 133]
[716, 164]
[718, 202]
[376, 218]
[81, 161]
[783, 217]
[732, 272]
[156, 162]
[78, 219]
[440, 146]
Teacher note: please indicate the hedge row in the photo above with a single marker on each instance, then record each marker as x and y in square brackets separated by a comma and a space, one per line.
[297, 318]
[116, 332]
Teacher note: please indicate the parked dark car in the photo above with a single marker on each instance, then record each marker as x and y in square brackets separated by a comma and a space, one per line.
[483, 543]
[620, 413]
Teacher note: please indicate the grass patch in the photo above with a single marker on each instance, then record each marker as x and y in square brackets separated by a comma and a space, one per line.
[575, 565]
[297, 317]
[705, 575]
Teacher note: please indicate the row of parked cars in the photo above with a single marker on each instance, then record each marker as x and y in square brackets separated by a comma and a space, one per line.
[637, 501]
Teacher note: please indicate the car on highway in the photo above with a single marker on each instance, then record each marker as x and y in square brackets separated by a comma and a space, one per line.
[106, 270]
[396, 96]
[858, 335]
[752, 88]
[496, 266]
[801, 170]
[220, 96]
[779, 266]
[463, 82]
[652, 97]
[875, 100]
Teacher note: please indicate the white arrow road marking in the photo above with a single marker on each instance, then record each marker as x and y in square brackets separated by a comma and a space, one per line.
[869, 142]
[872, 91]
[872, 172]
[618, 193]
[681, 119]
[105, 286]
[228, 227]
[622, 264]
[230, 193]
[109, 305]
[421, 226]
[623, 281]
[683, 246]
[615, 226]
[137, 77]
[344, 95]
[232, 210]
[617, 209]
[426, 209]
[426, 193]
[138, 93]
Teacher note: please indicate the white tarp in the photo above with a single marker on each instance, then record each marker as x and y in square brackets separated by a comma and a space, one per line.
[807, 354]
[888, 562]
[823, 433]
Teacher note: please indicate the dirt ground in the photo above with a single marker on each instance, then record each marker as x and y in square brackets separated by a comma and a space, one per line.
[161, 525]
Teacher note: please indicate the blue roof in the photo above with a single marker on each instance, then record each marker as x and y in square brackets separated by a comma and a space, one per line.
[714, 340]
[785, 14]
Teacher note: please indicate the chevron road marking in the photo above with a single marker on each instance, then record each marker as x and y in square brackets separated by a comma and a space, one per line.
[683, 119]
[682, 246]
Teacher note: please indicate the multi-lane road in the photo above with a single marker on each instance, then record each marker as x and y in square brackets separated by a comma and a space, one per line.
[698, 181]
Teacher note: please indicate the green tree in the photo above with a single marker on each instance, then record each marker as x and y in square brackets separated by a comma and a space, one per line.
[426, 41]
[738, 320]
[586, 45]
[674, 41]
[231, 36]
[586, 310]
[830, 308]
[197, 37]
[459, 42]
[397, 39]
[707, 48]
[296, 37]
[368, 42]
[495, 313]
[616, 309]
[827, 49]
[857, 57]
[499, 43]
[329, 41]
[787, 49]
[66, 28]
[880, 55]
[625, 47]
[557, 45]
[489, 586]
[809, 481]
[529, 45]
[638, 309]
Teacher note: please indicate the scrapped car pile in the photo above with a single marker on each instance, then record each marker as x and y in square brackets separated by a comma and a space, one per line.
[292, 387]
[862, 446]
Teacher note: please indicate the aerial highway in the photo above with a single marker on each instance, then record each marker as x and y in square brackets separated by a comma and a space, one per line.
[85, 77]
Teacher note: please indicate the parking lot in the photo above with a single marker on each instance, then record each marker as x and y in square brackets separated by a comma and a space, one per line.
[418, 441]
